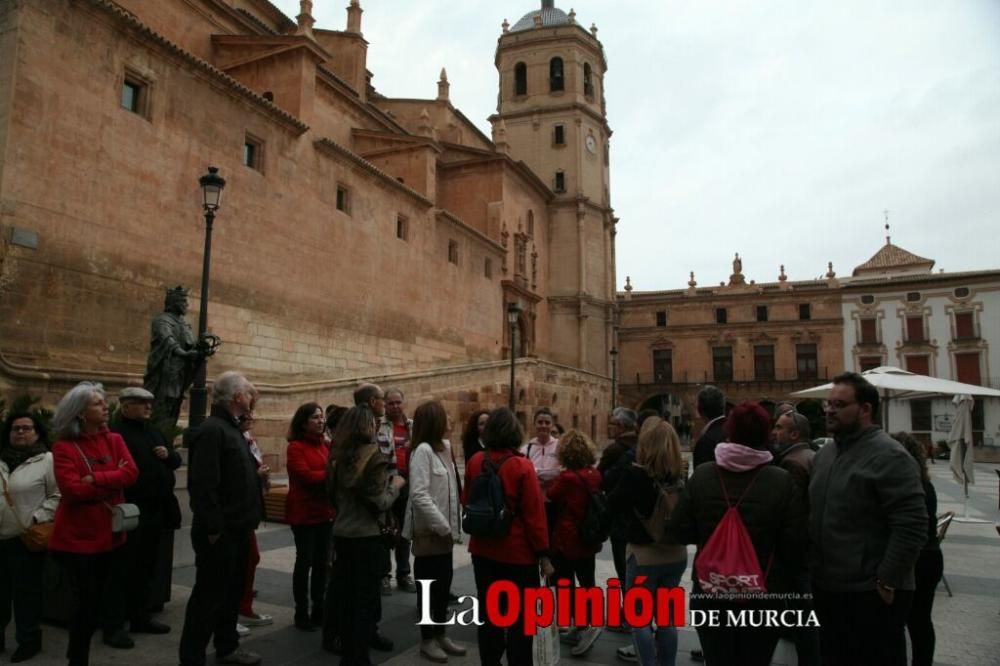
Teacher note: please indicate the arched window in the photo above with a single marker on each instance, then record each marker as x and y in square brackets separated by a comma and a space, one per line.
[588, 80]
[531, 223]
[520, 79]
[556, 80]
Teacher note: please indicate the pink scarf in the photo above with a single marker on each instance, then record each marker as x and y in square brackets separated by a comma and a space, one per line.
[739, 458]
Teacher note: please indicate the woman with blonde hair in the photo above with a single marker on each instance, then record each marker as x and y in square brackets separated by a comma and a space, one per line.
[570, 494]
[643, 494]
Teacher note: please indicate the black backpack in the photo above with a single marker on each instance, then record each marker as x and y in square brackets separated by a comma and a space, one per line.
[487, 514]
[596, 524]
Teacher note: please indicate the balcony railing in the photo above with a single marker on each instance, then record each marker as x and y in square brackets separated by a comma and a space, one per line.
[778, 376]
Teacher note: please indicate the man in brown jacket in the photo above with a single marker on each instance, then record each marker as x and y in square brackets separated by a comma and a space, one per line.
[792, 451]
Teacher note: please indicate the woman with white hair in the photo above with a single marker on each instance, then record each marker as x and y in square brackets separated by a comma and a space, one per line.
[92, 467]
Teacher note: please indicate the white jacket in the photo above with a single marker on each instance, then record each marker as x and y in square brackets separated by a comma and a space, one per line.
[33, 489]
[433, 504]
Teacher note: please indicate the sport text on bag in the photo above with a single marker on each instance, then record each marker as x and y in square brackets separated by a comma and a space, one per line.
[728, 564]
[487, 514]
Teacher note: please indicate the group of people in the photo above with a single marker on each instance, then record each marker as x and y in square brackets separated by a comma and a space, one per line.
[847, 531]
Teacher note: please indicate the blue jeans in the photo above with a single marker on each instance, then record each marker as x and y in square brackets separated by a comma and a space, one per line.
[663, 649]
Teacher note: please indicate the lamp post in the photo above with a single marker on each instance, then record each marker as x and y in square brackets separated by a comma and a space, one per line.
[614, 377]
[513, 314]
[211, 188]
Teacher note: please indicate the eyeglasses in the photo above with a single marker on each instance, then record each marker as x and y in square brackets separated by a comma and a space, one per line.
[836, 405]
[27, 428]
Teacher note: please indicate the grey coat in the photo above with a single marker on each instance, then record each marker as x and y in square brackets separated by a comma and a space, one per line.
[363, 494]
[867, 518]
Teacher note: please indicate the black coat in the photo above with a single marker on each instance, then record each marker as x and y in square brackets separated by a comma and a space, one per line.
[222, 477]
[774, 519]
[704, 448]
[155, 486]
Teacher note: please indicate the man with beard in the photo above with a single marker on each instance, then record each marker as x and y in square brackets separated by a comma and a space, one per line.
[867, 525]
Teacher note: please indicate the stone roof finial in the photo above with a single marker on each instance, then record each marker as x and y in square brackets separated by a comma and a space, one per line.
[505, 26]
[305, 19]
[781, 276]
[829, 272]
[628, 283]
[692, 282]
[593, 29]
[443, 86]
[572, 16]
[354, 17]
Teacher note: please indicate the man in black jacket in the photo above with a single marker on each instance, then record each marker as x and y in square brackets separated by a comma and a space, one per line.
[711, 407]
[226, 506]
[867, 525]
[153, 493]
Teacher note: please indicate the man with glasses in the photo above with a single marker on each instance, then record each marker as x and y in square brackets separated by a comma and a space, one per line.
[399, 428]
[867, 525]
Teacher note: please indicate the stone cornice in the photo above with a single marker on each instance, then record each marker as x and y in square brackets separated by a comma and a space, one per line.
[561, 108]
[217, 75]
[443, 214]
[334, 149]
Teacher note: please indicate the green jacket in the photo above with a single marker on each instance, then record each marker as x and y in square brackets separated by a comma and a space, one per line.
[867, 519]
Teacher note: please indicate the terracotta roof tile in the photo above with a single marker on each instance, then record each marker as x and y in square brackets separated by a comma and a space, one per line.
[892, 256]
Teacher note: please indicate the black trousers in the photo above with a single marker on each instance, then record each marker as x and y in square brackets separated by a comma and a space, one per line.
[928, 572]
[331, 627]
[21, 587]
[402, 550]
[494, 641]
[859, 629]
[88, 576]
[312, 549]
[726, 645]
[439, 569]
[212, 609]
[357, 578]
[130, 585]
[577, 572]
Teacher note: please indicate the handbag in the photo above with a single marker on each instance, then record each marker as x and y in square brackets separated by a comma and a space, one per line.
[124, 516]
[36, 537]
[545, 646]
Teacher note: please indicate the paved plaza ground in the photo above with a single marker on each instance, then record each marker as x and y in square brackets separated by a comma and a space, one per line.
[968, 623]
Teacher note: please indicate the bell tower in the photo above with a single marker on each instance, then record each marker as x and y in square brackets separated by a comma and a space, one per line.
[552, 112]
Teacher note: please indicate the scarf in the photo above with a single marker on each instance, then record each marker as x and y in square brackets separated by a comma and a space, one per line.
[15, 455]
[740, 458]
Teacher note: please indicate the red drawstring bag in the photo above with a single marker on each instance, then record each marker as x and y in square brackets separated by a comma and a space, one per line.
[727, 564]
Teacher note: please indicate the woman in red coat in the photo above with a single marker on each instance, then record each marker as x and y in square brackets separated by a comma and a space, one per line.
[570, 493]
[308, 511]
[519, 554]
[92, 468]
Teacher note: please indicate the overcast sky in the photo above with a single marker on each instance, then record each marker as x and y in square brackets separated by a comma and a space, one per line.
[779, 129]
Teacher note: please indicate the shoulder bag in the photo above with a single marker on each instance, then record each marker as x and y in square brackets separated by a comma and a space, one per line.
[124, 516]
[34, 537]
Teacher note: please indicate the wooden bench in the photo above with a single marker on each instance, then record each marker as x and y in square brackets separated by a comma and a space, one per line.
[274, 503]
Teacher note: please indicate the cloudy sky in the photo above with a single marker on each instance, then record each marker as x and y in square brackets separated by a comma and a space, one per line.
[779, 129]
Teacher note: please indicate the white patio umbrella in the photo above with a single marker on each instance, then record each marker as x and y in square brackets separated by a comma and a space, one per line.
[962, 461]
[899, 384]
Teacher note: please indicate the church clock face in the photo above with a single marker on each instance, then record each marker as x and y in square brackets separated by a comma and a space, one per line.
[591, 143]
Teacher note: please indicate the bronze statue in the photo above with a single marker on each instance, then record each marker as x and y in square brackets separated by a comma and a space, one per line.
[174, 356]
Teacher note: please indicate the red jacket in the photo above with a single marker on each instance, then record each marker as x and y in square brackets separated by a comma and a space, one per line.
[570, 497]
[528, 538]
[308, 502]
[83, 519]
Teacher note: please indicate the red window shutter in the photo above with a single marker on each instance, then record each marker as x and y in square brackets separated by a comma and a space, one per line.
[869, 334]
[914, 329]
[967, 368]
[963, 325]
[918, 365]
[869, 362]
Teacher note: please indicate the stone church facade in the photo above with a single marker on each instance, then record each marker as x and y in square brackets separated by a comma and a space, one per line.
[360, 236]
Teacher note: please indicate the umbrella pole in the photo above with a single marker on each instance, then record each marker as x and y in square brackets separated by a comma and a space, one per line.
[965, 507]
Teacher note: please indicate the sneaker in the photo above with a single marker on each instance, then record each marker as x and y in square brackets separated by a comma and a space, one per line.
[242, 630]
[627, 653]
[431, 651]
[406, 583]
[697, 655]
[386, 587]
[256, 620]
[239, 656]
[451, 647]
[587, 638]
[569, 636]
[452, 598]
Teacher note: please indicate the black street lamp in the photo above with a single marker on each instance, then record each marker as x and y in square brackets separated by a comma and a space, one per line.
[614, 377]
[211, 187]
[513, 314]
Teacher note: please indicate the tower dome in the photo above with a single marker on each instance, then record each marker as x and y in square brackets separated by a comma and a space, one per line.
[550, 16]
